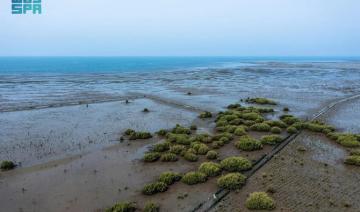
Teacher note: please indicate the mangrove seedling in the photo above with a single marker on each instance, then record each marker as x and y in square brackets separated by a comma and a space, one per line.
[259, 201]
[178, 129]
[232, 181]
[177, 149]
[212, 155]
[151, 207]
[248, 143]
[353, 160]
[7, 165]
[260, 101]
[261, 127]
[291, 130]
[192, 178]
[211, 169]
[168, 157]
[205, 114]
[236, 164]
[154, 188]
[275, 130]
[271, 139]
[239, 131]
[189, 156]
[151, 156]
[200, 148]
[123, 207]
[169, 177]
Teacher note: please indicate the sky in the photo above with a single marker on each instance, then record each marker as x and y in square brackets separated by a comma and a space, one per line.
[183, 28]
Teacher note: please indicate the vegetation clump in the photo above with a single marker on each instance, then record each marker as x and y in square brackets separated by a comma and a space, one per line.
[261, 127]
[203, 138]
[200, 148]
[178, 129]
[193, 127]
[261, 101]
[205, 114]
[162, 132]
[210, 169]
[252, 116]
[168, 157]
[345, 139]
[190, 156]
[122, 207]
[169, 178]
[177, 149]
[151, 207]
[240, 131]
[211, 155]
[162, 147]
[353, 160]
[271, 139]
[133, 135]
[146, 110]
[178, 138]
[286, 109]
[289, 119]
[236, 164]
[154, 188]
[316, 126]
[276, 123]
[192, 178]
[291, 130]
[260, 201]
[275, 130]
[231, 181]
[7, 165]
[151, 156]
[248, 143]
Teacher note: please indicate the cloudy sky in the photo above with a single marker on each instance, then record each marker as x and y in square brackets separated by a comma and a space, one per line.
[183, 28]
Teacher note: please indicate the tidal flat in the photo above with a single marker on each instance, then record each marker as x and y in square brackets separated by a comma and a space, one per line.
[74, 156]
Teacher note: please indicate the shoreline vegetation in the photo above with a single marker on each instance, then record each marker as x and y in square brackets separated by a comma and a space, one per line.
[234, 124]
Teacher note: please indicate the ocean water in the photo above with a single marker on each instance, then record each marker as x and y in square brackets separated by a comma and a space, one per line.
[34, 82]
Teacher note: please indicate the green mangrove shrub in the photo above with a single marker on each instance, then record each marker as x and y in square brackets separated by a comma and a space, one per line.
[151, 207]
[169, 178]
[211, 169]
[236, 164]
[161, 147]
[7, 165]
[291, 130]
[168, 157]
[154, 188]
[178, 129]
[177, 149]
[248, 143]
[260, 201]
[275, 130]
[261, 127]
[353, 160]
[261, 101]
[122, 207]
[151, 156]
[212, 155]
[271, 139]
[205, 114]
[232, 181]
[192, 178]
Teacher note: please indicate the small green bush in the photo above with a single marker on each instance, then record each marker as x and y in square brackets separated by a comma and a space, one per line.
[122, 207]
[154, 188]
[151, 207]
[162, 147]
[7, 165]
[211, 155]
[205, 115]
[240, 131]
[271, 139]
[168, 157]
[178, 138]
[140, 135]
[221, 135]
[261, 101]
[355, 152]
[189, 156]
[347, 140]
[249, 123]
[251, 116]
[177, 149]
[169, 177]
[260, 201]
[275, 130]
[353, 160]
[162, 132]
[178, 129]
[129, 132]
[210, 169]
[233, 106]
[231, 181]
[261, 127]
[248, 143]
[236, 164]
[318, 127]
[200, 148]
[291, 130]
[151, 156]
[217, 144]
[203, 138]
[192, 178]
[289, 119]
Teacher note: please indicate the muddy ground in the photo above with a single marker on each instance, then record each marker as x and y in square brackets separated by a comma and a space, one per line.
[314, 180]
[75, 162]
